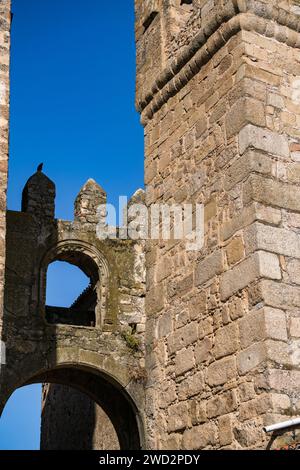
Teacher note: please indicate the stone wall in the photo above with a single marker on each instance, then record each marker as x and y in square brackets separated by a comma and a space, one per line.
[5, 19]
[63, 426]
[221, 116]
[104, 359]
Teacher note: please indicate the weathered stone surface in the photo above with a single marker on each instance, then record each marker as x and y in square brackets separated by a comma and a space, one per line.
[284, 380]
[209, 268]
[245, 110]
[254, 408]
[261, 324]
[234, 251]
[295, 327]
[251, 357]
[203, 350]
[249, 215]
[178, 417]
[221, 404]
[191, 386]
[260, 264]
[251, 161]
[226, 341]
[263, 139]
[277, 240]
[272, 192]
[183, 337]
[221, 127]
[155, 299]
[184, 361]
[225, 430]
[221, 371]
[282, 296]
[165, 325]
[200, 437]
[90, 197]
[246, 391]
[60, 417]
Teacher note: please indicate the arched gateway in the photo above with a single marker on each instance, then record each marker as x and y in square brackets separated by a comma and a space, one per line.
[63, 345]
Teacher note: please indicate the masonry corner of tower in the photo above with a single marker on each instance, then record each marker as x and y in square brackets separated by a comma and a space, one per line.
[217, 89]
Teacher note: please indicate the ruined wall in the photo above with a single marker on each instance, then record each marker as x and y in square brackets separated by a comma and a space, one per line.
[221, 115]
[104, 359]
[63, 426]
[5, 19]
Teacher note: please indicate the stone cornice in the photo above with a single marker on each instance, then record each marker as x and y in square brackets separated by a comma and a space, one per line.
[268, 20]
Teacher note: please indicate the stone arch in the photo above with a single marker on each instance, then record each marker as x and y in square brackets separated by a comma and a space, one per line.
[110, 389]
[86, 257]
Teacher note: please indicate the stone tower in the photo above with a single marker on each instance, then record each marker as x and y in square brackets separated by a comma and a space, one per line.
[218, 91]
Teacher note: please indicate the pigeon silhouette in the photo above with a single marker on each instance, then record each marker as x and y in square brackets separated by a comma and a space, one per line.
[40, 167]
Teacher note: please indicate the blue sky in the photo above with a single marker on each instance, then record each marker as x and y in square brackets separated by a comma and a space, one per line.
[72, 107]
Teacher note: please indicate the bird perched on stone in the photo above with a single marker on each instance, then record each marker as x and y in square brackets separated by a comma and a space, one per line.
[40, 167]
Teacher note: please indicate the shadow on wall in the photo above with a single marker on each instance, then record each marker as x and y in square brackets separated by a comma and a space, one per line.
[63, 429]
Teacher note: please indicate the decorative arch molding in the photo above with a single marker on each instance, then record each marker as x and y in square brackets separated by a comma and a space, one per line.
[86, 257]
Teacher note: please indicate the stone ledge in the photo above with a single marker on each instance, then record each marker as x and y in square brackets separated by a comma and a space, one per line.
[271, 21]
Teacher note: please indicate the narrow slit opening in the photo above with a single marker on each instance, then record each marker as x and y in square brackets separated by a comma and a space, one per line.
[147, 23]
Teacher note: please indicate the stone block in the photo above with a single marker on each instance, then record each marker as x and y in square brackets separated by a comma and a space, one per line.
[234, 251]
[226, 341]
[155, 299]
[205, 327]
[221, 404]
[281, 403]
[263, 139]
[203, 350]
[184, 361]
[262, 324]
[251, 161]
[191, 386]
[210, 210]
[293, 269]
[198, 305]
[178, 417]
[280, 295]
[275, 324]
[295, 327]
[285, 381]
[221, 372]
[165, 325]
[225, 430]
[251, 358]
[271, 192]
[249, 215]
[280, 353]
[199, 437]
[246, 391]
[275, 100]
[260, 264]
[183, 337]
[244, 111]
[255, 408]
[211, 266]
[277, 240]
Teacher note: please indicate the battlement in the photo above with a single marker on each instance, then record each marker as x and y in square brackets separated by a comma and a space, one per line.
[175, 39]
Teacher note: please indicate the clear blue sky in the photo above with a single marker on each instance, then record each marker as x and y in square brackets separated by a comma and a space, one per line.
[72, 107]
